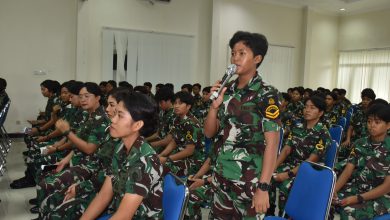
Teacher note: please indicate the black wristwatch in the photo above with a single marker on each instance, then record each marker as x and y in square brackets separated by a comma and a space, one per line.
[360, 198]
[264, 186]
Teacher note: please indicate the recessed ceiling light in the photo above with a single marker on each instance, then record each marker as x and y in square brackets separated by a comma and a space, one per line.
[342, 9]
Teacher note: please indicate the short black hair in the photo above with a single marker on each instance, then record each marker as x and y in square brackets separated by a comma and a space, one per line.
[93, 88]
[125, 84]
[380, 111]
[112, 83]
[198, 85]
[342, 92]
[378, 101]
[185, 97]
[141, 108]
[188, 86]
[148, 84]
[3, 84]
[141, 89]
[333, 95]
[103, 83]
[117, 92]
[67, 84]
[76, 87]
[369, 93]
[164, 94]
[298, 89]
[318, 102]
[206, 89]
[256, 42]
[171, 86]
[159, 85]
[286, 97]
[51, 85]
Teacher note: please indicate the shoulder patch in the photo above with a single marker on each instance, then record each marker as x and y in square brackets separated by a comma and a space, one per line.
[272, 111]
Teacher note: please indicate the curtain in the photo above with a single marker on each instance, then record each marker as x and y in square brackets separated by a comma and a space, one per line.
[365, 69]
[121, 49]
[277, 67]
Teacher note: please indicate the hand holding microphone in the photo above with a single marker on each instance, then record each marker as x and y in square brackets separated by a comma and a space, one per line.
[230, 71]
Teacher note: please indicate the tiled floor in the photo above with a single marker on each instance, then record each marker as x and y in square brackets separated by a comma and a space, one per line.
[14, 202]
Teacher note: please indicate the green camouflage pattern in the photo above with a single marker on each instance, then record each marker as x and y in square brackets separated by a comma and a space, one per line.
[165, 122]
[138, 171]
[244, 116]
[372, 166]
[296, 108]
[186, 131]
[303, 143]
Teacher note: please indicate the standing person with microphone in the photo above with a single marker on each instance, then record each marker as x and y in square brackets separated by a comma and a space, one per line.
[245, 117]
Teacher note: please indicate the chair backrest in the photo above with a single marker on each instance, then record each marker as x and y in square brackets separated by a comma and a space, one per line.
[281, 135]
[383, 217]
[336, 132]
[342, 122]
[331, 154]
[175, 197]
[311, 194]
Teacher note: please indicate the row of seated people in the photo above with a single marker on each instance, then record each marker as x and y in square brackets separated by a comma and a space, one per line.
[70, 190]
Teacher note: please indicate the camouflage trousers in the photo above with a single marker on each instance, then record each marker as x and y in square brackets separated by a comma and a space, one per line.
[198, 197]
[232, 200]
[58, 182]
[284, 187]
[366, 210]
[71, 209]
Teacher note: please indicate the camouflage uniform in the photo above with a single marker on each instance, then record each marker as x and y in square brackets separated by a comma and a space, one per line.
[331, 117]
[3, 100]
[187, 131]
[202, 111]
[165, 122]
[85, 190]
[372, 162]
[303, 143]
[296, 108]
[244, 116]
[82, 165]
[359, 124]
[138, 171]
[196, 107]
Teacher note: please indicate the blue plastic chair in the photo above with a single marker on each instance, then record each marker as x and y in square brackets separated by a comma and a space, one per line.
[342, 122]
[336, 132]
[331, 154]
[382, 217]
[311, 194]
[105, 217]
[175, 197]
[281, 136]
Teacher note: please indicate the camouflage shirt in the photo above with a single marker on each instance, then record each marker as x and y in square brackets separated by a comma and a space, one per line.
[306, 141]
[359, 123]
[138, 172]
[187, 130]
[201, 112]
[331, 117]
[296, 108]
[372, 164]
[92, 130]
[244, 116]
[165, 122]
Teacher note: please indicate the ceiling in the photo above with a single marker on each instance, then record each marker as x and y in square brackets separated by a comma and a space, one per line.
[334, 6]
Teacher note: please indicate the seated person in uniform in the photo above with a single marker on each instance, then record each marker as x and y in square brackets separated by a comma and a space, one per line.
[332, 113]
[3, 95]
[161, 138]
[134, 187]
[295, 107]
[307, 141]
[184, 154]
[363, 188]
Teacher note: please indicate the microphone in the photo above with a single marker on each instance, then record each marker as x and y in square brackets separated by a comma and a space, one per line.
[230, 71]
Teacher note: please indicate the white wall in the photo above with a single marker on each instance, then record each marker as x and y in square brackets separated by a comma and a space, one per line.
[186, 17]
[365, 31]
[321, 50]
[35, 35]
[281, 26]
